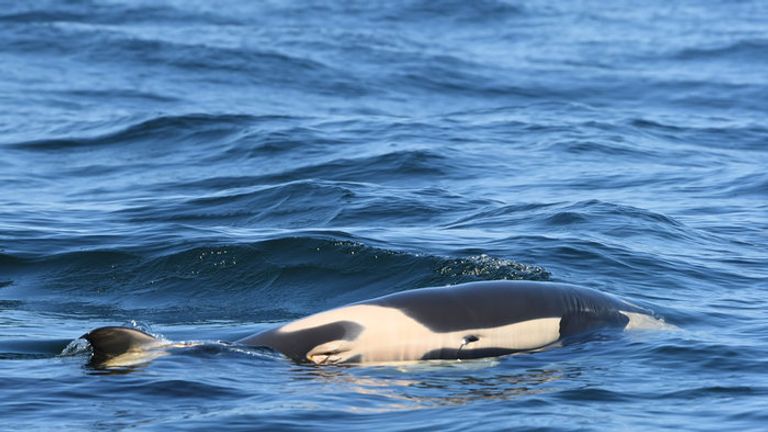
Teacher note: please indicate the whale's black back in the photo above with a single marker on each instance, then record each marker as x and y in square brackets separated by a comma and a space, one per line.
[497, 303]
[478, 305]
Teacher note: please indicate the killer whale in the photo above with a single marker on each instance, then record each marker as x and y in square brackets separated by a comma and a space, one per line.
[467, 321]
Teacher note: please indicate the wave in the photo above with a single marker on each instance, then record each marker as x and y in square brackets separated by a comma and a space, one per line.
[301, 203]
[708, 133]
[93, 12]
[398, 167]
[274, 279]
[608, 216]
[211, 63]
[482, 11]
[749, 50]
[169, 129]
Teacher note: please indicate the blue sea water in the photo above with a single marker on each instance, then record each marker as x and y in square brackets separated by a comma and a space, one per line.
[204, 169]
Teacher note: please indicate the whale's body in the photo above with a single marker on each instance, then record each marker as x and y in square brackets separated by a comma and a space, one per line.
[473, 320]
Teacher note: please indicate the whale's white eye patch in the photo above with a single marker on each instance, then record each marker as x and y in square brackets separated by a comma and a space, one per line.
[329, 353]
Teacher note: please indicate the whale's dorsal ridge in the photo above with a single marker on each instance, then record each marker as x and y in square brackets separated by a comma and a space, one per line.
[109, 342]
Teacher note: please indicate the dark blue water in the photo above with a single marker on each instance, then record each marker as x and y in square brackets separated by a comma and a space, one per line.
[203, 169]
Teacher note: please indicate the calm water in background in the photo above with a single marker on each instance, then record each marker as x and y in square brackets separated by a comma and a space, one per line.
[204, 169]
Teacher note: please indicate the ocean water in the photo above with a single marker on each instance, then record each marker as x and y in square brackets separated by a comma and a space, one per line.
[206, 169]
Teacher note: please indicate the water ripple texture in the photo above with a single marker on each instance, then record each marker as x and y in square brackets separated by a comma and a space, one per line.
[204, 170]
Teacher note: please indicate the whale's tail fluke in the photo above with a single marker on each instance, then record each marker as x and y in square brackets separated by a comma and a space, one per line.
[112, 345]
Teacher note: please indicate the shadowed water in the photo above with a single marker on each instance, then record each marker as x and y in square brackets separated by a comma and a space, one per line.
[205, 169]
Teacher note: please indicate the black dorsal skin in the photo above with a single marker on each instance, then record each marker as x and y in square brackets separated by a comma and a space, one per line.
[477, 305]
[469, 307]
[495, 303]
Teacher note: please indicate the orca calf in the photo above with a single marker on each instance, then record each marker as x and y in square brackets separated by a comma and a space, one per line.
[468, 321]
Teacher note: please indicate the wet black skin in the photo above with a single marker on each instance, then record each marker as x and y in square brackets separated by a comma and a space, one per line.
[470, 306]
[475, 305]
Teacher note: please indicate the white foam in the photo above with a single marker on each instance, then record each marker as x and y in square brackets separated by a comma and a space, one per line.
[639, 321]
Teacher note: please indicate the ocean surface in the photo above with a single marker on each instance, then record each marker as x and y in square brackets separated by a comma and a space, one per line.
[203, 170]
